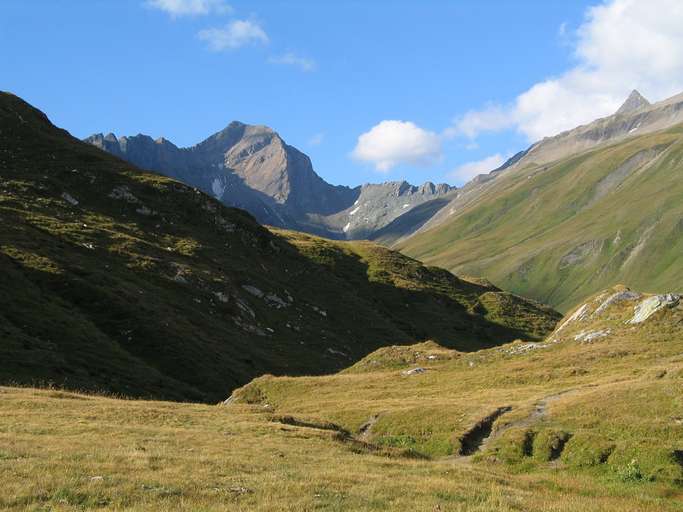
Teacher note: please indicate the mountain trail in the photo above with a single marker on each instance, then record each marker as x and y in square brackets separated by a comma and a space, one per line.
[482, 434]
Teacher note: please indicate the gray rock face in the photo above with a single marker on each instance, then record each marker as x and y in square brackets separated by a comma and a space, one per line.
[651, 305]
[252, 168]
[635, 117]
[634, 101]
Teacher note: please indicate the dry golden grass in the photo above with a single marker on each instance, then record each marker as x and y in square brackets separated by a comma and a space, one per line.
[63, 451]
[619, 398]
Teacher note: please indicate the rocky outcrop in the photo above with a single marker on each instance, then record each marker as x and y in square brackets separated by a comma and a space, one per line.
[635, 101]
[609, 313]
[651, 305]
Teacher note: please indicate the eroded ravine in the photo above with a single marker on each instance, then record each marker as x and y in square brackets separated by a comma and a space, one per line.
[482, 433]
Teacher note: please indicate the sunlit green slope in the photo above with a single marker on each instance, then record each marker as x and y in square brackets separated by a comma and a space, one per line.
[561, 231]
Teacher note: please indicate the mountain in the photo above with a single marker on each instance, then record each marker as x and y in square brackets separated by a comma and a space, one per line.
[635, 117]
[251, 167]
[124, 281]
[579, 212]
[635, 101]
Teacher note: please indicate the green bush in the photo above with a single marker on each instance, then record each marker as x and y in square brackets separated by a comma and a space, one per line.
[631, 472]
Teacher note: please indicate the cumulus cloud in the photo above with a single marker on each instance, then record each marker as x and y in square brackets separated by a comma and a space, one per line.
[621, 45]
[392, 143]
[190, 7]
[467, 171]
[291, 59]
[234, 35]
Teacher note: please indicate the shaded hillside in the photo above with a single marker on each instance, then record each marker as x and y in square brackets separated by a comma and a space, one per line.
[121, 280]
[562, 231]
[426, 302]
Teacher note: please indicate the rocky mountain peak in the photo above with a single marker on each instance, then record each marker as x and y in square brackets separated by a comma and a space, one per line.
[252, 167]
[634, 102]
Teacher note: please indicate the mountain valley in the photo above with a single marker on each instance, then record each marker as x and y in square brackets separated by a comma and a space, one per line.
[128, 282]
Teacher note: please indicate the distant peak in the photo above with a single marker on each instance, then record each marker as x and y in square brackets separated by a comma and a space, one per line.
[239, 129]
[235, 124]
[634, 101]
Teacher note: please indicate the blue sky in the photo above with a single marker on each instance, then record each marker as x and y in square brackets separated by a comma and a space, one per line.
[371, 91]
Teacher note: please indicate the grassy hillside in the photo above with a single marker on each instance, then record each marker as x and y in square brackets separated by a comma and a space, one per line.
[562, 231]
[601, 396]
[426, 302]
[125, 281]
[573, 425]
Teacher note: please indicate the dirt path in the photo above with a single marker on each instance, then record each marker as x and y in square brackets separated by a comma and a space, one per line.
[481, 434]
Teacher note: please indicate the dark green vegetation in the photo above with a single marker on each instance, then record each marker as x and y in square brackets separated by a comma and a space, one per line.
[124, 281]
[561, 231]
[602, 395]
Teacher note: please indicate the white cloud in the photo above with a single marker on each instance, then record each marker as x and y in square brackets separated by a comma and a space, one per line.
[316, 139]
[491, 118]
[190, 7]
[291, 59]
[234, 35]
[391, 143]
[621, 45]
[467, 171]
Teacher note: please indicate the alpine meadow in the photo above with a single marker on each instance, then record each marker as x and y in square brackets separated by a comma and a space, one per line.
[389, 256]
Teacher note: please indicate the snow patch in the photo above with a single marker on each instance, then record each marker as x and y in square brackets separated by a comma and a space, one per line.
[354, 210]
[218, 188]
[346, 228]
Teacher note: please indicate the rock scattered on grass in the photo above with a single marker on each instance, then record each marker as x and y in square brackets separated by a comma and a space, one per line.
[589, 336]
[578, 315]
[651, 305]
[414, 371]
[616, 297]
[69, 199]
[253, 290]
